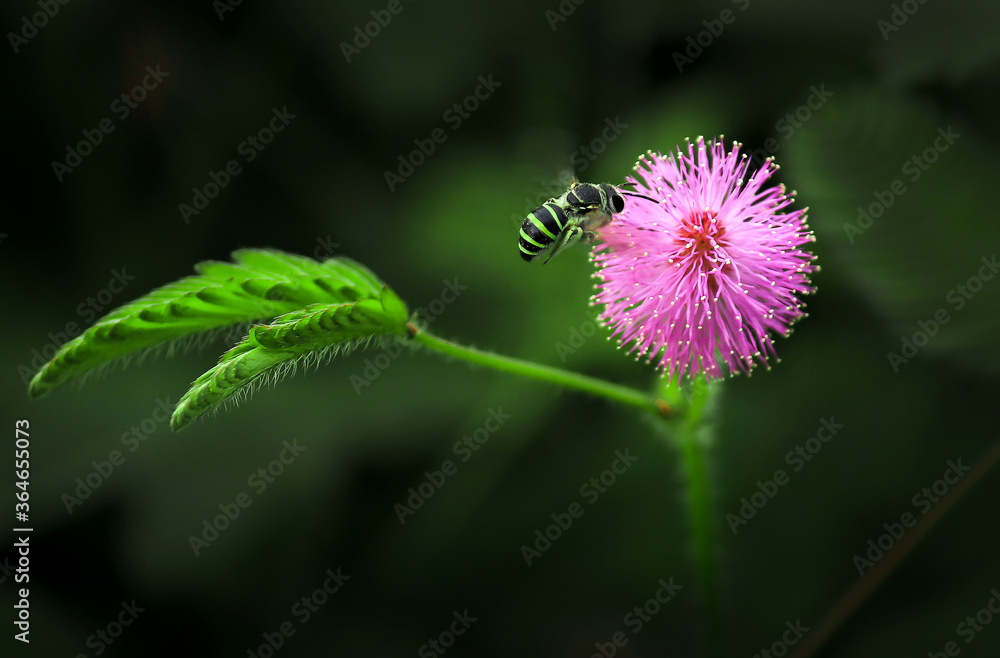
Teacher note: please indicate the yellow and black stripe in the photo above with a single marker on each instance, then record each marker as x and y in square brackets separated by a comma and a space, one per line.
[540, 229]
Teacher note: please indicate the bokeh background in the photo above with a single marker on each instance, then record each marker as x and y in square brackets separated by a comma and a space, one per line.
[663, 72]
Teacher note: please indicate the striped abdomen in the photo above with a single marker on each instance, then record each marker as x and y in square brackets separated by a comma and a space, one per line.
[540, 229]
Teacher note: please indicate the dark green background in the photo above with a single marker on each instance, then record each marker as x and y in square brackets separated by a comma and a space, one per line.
[322, 181]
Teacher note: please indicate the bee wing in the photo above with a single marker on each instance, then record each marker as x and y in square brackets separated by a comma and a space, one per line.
[542, 156]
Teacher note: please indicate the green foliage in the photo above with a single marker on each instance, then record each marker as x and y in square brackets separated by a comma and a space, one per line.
[319, 309]
[312, 335]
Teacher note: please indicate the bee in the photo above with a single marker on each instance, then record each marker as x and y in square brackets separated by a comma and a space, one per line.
[576, 215]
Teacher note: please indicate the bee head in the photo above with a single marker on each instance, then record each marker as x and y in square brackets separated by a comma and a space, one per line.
[615, 200]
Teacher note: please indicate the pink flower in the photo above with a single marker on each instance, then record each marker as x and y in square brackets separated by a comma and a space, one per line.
[707, 270]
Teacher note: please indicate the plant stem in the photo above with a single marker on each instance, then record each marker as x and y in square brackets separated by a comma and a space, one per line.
[565, 378]
[862, 589]
[693, 435]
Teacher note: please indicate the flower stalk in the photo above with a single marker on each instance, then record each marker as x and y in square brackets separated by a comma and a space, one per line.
[564, 378]
[694, 435]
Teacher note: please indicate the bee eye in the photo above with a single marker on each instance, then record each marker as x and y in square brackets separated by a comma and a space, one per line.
[617, 203]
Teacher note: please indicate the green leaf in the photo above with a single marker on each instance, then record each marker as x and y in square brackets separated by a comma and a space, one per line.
[309, 336]
[259, 285]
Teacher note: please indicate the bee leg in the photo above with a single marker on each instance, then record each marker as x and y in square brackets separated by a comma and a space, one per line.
[567, 239]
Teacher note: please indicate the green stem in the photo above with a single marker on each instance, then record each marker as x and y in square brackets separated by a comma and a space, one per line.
[565, 378]
[693, 435]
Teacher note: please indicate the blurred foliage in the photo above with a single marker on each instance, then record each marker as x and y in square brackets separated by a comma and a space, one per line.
[319, 189]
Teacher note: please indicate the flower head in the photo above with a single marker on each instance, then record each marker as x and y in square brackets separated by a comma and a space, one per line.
[708, 267]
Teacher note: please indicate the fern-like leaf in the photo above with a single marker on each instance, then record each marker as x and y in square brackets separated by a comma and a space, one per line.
[316, 332]
[259, 285]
